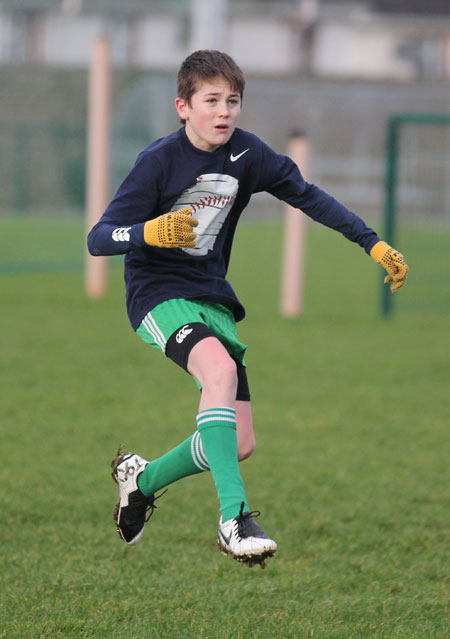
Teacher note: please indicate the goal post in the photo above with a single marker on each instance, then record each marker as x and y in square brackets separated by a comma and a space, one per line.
[417, 209]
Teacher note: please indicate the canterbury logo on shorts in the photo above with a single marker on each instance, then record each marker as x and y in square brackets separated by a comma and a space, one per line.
[183, 333]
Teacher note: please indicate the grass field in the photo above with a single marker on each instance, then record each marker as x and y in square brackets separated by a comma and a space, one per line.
[351, 471]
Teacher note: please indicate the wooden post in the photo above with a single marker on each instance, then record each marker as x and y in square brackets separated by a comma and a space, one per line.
[293, 264]
[97, 158]
[446, 56]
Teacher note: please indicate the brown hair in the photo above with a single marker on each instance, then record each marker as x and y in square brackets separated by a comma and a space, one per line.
[205, 65]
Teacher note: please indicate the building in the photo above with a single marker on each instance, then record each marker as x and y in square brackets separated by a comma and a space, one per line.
[397, 39]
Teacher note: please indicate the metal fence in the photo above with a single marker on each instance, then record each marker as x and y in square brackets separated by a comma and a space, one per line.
[43, 140]
[417, 207]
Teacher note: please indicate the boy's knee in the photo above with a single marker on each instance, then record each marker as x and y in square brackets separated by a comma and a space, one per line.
[245, 450]
[223, 373]
[246, 445]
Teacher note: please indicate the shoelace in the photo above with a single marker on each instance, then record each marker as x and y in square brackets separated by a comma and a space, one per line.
[151, 506]
[243, 518]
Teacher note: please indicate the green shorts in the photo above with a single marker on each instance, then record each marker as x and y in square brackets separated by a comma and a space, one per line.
[161, 322]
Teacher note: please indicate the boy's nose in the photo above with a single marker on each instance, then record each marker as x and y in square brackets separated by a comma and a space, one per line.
[224, 110]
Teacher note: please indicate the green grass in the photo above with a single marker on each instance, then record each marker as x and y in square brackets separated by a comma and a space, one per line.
[427, 252]
[351, 470]
[35, 244]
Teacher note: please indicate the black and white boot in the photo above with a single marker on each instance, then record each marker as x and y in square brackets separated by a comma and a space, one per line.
[130, 512]
[243, 538]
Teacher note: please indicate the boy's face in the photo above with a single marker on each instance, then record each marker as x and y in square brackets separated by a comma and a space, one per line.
[212, 114]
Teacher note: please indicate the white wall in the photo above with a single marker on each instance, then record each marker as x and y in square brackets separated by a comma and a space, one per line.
[158, 40]
[359, 45]
[263, 45]
[5, 38]
[68, 41]
[354, 49]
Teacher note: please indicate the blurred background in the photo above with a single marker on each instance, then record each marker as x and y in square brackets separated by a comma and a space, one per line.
[352, 411]
[336, 70]
[344, 73]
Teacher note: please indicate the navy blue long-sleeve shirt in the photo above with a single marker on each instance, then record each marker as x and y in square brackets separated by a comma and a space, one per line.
[171, 173]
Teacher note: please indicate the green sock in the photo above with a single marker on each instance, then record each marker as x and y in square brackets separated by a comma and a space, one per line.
[186, 459]
[217, 427]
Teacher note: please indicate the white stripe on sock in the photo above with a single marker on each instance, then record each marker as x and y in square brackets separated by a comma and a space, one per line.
[214, 418]
[221, 410]
[201, 451]
[196, 443]
[216, 414]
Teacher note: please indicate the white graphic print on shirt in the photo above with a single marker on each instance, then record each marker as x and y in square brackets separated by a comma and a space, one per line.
[210, 199]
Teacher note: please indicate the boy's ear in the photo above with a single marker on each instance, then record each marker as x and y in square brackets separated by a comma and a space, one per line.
[180, 106]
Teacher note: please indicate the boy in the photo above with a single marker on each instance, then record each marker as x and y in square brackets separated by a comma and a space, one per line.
[201, 177]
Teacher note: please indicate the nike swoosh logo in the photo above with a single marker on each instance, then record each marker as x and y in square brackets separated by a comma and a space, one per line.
[233, 158]
[226, 539]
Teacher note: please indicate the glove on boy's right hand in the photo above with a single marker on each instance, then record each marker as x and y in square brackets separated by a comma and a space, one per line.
[171, 230]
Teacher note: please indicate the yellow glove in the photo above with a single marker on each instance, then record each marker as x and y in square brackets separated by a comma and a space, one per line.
[393, 262]
[171, 230]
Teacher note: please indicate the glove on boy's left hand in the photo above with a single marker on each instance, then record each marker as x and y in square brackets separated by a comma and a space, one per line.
[393, 262]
